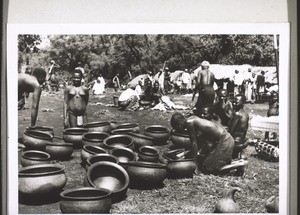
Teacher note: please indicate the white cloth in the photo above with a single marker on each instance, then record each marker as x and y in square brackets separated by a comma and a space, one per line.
[238, 79]
[138, 89]
[127, 94]
[186, 78]
[97, 88]
[102, 84]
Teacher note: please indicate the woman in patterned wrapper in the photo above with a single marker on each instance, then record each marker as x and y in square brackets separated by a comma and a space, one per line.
[76, 98]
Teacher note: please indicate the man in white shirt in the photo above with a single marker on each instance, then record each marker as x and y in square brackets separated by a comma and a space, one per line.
[186, 79]
[129, 100]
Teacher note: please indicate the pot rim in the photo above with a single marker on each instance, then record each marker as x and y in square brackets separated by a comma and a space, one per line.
[88, 161]
[141, 136]
[123, 149]
[66, 144]
[84, 136]
[147, 164]
[50, 128]
[60, 169]
[96, 124]
[118, 136]
[107, 163]
[85, 148]
[149, 153]
[122, 129]
[75, 131]
[37, 152]
[88, 198]
[127, 125]
[166, 130]
[36, 134]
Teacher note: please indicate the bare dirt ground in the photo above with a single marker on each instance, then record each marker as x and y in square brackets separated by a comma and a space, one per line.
[196, 195]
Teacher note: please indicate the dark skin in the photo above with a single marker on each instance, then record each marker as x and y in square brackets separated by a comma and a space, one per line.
[30, 84]
[273, 106]
[238, 125]
[76, 98]
[205, 77]
[224, 108]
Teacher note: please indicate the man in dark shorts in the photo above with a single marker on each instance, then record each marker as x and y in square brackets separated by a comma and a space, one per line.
[238, 125]
[205, 83]
[212, 145]
[223, 108]
[31, 84]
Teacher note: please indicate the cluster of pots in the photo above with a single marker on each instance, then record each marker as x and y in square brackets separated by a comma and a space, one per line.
[116, 156]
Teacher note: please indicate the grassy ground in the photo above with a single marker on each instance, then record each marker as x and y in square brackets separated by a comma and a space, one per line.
[197, 195]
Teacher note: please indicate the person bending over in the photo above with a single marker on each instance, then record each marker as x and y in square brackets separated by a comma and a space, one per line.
[129, 99]
[76, 98]
[212, 145]
[31, 84]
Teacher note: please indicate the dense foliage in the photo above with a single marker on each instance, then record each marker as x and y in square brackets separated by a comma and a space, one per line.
[111, 54]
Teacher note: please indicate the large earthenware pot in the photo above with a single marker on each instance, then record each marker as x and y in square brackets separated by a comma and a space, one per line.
[160, 134]
[183, 168]
[148, 153]
[89, 150]
[180, 139]
[109, 176]
[122, 131]
[85, 200]
[101, 157]
[74, 135]
[36, 140]
[46, 129]
[98, 126]
[94, 138]
[34, 157]
[141, 140]
[146, 174]
[119, 140]
[41, 180]
[134, 126]
[59, 149]
[124, 155]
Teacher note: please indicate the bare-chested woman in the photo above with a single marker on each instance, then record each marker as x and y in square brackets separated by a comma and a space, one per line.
[76, 98]
[205, 83]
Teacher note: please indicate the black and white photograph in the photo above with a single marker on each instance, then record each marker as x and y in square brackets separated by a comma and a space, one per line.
[148, 118]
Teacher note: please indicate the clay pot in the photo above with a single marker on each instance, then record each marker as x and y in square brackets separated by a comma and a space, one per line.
[184, 168]
[124, 155]
[109, 176]
[146, 174]
[85, 200]
[34, 157]
[94, 138]
[134, 126]
[148, 153]
[36, 140]
[180, 140]
[89, 150]
[99, 158]
[160, 134]
[59, 149]
[120, 140]
[98, 126]
[121, 131]
[74, 135]
[228, 204]
[46, 129]
[141, 140]
[41, 180]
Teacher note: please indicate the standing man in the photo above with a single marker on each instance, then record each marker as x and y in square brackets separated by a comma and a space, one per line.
[186, 79]
[52, 81]
[260, 85]
[31, 84]
[76, 98]
[205, 83]
[116, 82]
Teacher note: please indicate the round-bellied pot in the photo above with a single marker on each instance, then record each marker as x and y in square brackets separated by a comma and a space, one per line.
[74, 135]
[36, 140]
[109, 176]
[46, 129]
[98, 126]
[180, 140]
[89, 150]
[134, 126]
[41, 180]
[119, 140]
[170, 155]
[160, 134]
[59, 149]
[101, 157]
[85, 200]
[148, 153]
[121, 131]
[124, 155]
[113, 124]
[184, 168]
[140, 140]
[34, 157]
[146, 174]
[94, 138]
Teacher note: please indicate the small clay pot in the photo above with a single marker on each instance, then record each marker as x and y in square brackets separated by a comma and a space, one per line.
[36, 140]
[184, 168]
[89, 150]
[134, 126]
[119, 140]
[59, 149]
[46, 129]
[98, 126]
[85, 200]
[99, 158]
[160, 134]
[74, 135]
[94, 138]
[148, 153]
[180, 140]
[141, 140]
[34, 157]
